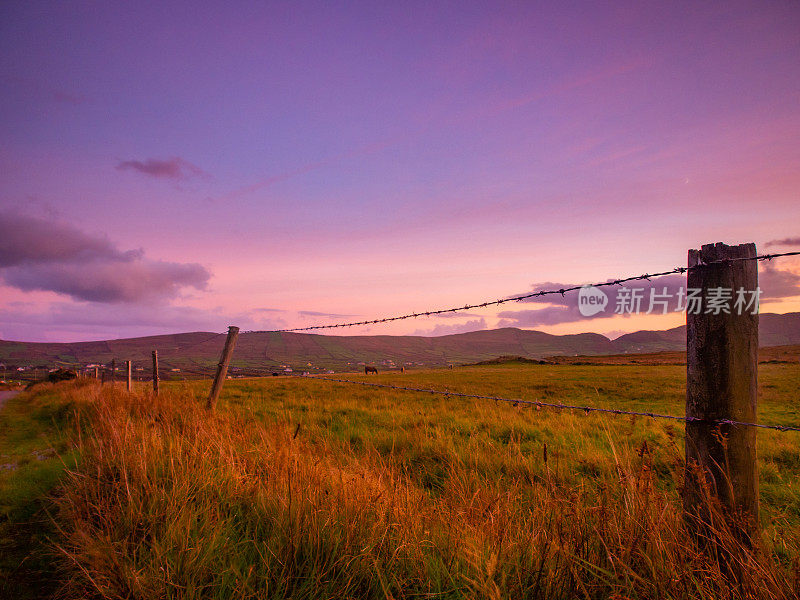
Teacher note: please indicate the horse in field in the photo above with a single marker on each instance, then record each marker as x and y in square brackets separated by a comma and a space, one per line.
[368, 370]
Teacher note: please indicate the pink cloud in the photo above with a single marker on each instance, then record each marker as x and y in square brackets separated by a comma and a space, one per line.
[442, 329]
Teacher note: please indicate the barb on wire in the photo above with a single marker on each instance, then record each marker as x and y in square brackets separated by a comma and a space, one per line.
[743, 424]
[539, 404]
[518, 298]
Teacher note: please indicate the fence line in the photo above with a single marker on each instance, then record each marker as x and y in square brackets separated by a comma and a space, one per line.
[255, 371]
[260, 372]
[561, 291]
[539, 404]
[721, 383]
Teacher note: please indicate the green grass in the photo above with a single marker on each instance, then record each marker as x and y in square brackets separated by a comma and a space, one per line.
[299, 488]
[412, 427]
[35, 451]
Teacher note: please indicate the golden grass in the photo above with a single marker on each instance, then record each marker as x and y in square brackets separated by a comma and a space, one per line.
[171, 502]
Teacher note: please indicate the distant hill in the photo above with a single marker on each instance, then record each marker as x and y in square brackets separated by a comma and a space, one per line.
[275, 351]
[773, 330]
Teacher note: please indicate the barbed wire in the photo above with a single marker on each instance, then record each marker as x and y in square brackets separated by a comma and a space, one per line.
[540, 404]
[247, 371]
[537, 294]
[744, 424]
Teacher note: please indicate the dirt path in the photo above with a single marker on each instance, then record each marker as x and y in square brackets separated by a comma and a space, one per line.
[5, 395]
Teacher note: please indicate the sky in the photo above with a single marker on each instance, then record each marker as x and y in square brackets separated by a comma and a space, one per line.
[171, 166]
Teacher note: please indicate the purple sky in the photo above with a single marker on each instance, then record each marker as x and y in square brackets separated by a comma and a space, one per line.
[176, 167]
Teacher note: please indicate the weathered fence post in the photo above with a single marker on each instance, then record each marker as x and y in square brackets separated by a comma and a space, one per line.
[128, 368]
[155, 372]
[721, 384]
[96, 375]
[113, 371]
[222, 367]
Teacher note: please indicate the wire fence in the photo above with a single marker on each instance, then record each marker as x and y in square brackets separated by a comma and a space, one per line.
[537, 294]
[540, 404]
[179, 369]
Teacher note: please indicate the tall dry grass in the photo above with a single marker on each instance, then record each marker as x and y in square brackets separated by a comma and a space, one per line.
[171, 502]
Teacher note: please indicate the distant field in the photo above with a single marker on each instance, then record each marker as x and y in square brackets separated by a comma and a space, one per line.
[310, 489]
[775, 354]
[199, 352]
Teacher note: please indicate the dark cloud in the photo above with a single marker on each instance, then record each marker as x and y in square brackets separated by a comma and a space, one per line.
[171, 168]
[441, 329]
[109, 281]
[28, 240]
[542, 316]
[41, 255]
[775, 283]
[795, 241]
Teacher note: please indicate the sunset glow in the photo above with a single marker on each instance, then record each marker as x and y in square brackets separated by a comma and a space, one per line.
[171, 168]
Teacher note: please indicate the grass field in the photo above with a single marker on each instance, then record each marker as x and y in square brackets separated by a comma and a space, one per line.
[310, 489]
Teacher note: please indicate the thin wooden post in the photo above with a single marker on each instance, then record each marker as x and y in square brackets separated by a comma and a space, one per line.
[222, 367]
[95, 373]
[113, 371]
[721, 384]
[155, 372]
[128, 369]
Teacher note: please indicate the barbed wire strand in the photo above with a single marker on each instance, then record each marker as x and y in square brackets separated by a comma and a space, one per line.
[539, 404]
[519, 298]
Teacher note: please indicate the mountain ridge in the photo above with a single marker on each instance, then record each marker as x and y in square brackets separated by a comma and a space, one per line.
[279, 350]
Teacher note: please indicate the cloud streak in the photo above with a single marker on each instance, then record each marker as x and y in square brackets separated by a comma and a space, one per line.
[171, 168]
[41, 255]
[792, 241]
[314, 313]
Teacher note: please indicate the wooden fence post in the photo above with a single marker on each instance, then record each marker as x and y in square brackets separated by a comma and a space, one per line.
[96, 375]
[113, 371]
[128, 369]
[222, 367]
[155, 372]
[721, 383]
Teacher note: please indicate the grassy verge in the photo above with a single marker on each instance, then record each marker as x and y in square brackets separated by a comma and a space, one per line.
[35, 450]
[298, 488]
